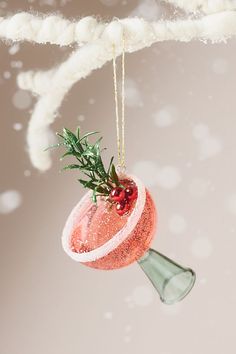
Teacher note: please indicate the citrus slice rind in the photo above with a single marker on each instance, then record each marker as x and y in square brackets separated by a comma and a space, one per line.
[116, 240]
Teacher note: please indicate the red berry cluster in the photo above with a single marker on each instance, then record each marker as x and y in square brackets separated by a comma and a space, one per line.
[124, 196]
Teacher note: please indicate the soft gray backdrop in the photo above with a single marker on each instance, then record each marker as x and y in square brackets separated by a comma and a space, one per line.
[180, 140]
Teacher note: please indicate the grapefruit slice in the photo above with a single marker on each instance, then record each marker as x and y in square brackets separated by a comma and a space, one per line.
[98, 237]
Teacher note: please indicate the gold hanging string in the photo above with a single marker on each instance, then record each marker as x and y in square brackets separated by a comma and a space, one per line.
[123, 104]
[116, 106]
[120, 132]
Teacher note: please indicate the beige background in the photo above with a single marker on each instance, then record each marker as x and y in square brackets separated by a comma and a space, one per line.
[180, 141]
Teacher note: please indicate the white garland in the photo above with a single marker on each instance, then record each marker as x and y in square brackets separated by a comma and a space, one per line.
[94, 42]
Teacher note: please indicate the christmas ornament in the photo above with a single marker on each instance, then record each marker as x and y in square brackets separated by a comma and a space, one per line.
[114, 224]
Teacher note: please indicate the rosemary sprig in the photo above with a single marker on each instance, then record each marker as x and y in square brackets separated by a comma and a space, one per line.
[89, 162]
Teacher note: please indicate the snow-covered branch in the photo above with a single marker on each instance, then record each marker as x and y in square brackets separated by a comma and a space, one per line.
[56, 30]
[49, 29]
[75, 68]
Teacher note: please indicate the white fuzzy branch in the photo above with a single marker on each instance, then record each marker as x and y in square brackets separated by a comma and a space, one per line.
[94, 42]
[140, 34]
[49, 29]
[36, 81]
[205, 6]
[75, 68]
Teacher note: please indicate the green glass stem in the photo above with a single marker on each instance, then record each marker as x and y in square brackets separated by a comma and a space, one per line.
[172, 281]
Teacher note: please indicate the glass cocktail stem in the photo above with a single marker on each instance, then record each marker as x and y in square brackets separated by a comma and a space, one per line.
[172, 281]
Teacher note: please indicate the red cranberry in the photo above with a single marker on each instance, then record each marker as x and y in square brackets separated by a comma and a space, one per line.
[131, 193]
[122, 207]
[117, 194]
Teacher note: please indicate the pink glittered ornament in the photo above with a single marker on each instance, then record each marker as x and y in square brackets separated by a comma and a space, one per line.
[96, 235]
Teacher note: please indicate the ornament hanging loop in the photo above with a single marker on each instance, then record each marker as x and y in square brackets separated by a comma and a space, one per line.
[120, 121]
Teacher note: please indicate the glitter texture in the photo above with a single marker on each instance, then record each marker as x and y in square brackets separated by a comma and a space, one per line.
[95, 225]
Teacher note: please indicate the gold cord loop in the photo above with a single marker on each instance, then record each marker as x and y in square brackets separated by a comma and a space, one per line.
[120, 131]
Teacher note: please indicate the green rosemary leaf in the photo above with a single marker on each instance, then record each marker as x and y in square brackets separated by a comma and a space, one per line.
[68, 153]
[96, 148]
[54, 146]
[96, 145]
[110, 164]
[101, 168]
[89, 152]
[94, 196]
[87, 135]
[85, 143]
[93, 186]
[102, 190]
[88, 174]
[69, 136]
[83, 182]
[78, 133]
[87, 184]
[88, 167]
[79, 149]
[71, 167]
[61, 136]
[113, 175]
